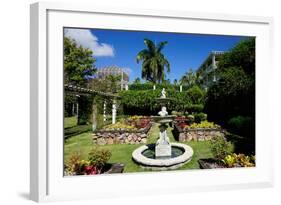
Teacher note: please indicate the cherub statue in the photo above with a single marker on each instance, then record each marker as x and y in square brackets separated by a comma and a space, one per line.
[163, 137]
[163, 93]
[163, 112]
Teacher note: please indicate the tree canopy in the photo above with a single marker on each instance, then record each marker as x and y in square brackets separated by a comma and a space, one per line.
[78, 63]
[154, 63]
[234, 93]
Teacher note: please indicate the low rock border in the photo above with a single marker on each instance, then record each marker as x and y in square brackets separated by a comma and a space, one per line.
[103, 137]
[198, 134]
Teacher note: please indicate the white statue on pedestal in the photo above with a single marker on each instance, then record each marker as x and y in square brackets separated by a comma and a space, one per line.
[163, 138]
[163, 93]
[163, 112]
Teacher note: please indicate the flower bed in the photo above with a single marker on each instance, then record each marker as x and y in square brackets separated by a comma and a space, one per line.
[131, 131]
[230, 161]
[197, 131]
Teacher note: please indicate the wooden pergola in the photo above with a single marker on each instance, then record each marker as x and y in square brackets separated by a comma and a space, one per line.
[78, 91]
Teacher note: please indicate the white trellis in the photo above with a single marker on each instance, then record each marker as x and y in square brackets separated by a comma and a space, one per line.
[76, 90]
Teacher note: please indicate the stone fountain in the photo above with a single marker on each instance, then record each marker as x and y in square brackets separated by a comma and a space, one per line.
[163, 155]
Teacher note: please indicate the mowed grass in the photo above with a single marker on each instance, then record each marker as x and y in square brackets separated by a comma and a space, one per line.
[70, 122]
[122, 153]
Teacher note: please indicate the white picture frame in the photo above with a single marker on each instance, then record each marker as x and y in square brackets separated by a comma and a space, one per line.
[47, 182]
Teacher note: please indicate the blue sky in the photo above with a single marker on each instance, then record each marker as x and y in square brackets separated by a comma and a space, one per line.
[183, 51]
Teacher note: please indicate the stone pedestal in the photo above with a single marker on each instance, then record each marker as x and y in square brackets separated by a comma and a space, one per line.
[162, 151]
[163, 147]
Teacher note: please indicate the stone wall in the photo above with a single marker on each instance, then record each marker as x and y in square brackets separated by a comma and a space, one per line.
[121, 137]
[199, 134]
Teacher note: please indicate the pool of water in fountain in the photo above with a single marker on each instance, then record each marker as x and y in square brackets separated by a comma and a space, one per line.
[150, 153]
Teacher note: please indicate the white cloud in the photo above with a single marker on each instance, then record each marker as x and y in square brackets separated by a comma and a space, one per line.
[85, 38]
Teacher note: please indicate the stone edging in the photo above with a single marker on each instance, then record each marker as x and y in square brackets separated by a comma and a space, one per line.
[163, 164]
[121, 136]
[199, 134]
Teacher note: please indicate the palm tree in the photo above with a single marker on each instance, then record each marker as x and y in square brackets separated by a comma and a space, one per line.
[154, 62]
[189, 78]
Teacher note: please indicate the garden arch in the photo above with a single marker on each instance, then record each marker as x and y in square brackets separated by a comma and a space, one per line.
[80, 91]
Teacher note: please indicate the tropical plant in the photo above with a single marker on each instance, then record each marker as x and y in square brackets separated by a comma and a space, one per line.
[189, 78]
[220, 147]
[154, 63]
[239, 160]
[98, 158]
[75, 165]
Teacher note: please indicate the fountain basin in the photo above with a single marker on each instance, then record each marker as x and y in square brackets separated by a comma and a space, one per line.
[181, 154]
[163, 119]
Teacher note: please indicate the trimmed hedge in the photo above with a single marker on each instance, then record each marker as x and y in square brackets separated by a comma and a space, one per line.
[149, 86]
[143, 102]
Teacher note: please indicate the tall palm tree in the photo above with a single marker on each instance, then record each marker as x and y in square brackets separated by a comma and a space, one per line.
[154, 63]
[189, 78]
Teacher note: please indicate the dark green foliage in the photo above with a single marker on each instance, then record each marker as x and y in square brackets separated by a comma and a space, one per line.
[98, 157]
[78, 62]
[198, 117]
[69, 100]
[189, 79]
[234, 93]
[143, 102]
[85, 109]
[154, 63]
[242, 55]
[220, 148]
[241, 125]
[69, 132]
[149, 86]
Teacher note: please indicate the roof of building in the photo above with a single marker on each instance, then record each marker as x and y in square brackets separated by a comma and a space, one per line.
[113, 70]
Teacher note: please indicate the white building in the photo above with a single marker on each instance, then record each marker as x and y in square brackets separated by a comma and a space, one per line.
[207, 70]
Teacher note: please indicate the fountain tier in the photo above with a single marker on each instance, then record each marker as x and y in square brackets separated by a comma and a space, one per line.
[163, 155]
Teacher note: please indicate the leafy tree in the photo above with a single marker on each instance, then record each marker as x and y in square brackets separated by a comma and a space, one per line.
[242, 55]
[78, 63]
[234, 93]
[110, 83]
[137, 81]
[189, 78]
[154, 63]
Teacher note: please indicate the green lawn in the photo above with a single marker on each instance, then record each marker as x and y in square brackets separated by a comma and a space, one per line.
[122, 153]
[70, 122]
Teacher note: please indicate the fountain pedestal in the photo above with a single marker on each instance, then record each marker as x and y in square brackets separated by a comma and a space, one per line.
[163, 146]
[160, 156]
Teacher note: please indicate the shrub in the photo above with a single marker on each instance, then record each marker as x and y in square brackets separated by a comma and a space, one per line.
[119, 125]
[220, 148]
[240, 124]
[98, 157]
[239, 160]
[136, 102]
[204, 124]
[75, 166]
[198, 117]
